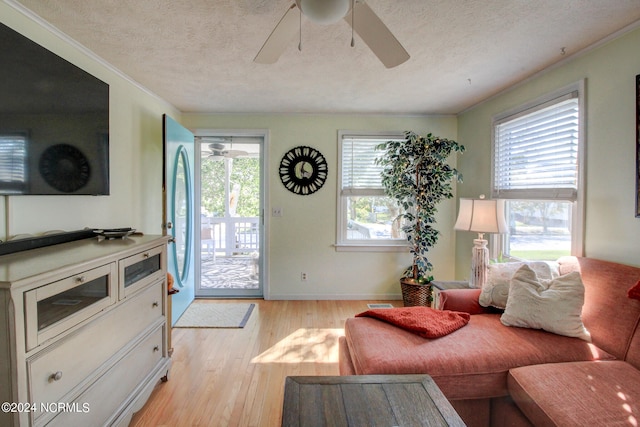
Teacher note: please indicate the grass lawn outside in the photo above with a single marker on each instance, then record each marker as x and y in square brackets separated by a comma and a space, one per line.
[540, 254]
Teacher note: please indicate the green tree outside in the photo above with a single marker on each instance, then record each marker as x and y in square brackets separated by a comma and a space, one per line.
[244, 178]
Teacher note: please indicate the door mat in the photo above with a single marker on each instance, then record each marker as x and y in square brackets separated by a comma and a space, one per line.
[206, 314]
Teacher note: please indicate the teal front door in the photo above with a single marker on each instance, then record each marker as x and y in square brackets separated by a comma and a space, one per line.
[178, 215]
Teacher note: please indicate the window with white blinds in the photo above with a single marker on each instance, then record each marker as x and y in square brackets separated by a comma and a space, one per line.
[360, 173]
[365, 214]
[536, 151]
[13, 159]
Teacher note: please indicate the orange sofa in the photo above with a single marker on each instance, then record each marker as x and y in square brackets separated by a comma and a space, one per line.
[496, 375]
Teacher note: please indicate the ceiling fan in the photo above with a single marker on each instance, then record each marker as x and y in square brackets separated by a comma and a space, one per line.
[218, 150]
[357, 13]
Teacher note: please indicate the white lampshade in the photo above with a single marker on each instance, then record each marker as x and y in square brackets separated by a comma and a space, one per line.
[325, 12]
[481, 216]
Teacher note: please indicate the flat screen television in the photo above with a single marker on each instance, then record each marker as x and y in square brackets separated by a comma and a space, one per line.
[54, 123]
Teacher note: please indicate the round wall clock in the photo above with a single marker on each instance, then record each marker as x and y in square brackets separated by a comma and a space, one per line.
[64, 167]
[303, 170]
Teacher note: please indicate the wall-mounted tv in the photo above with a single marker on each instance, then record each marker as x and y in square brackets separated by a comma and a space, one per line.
[54, 123]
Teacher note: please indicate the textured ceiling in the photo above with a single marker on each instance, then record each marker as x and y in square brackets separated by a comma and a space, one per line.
[198, 54]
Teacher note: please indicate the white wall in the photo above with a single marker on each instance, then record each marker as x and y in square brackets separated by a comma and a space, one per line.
[612, 231]
[302, 239]
[135, 155]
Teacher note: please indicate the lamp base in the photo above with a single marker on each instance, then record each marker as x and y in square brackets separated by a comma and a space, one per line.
[479, 263]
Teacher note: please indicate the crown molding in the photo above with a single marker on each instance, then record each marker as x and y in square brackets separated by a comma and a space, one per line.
[83, 49]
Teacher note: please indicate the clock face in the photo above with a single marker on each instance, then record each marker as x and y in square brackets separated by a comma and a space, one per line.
[303, 170]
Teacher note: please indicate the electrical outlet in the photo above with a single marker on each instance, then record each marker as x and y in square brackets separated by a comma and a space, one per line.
[276, 211]
[303, 276]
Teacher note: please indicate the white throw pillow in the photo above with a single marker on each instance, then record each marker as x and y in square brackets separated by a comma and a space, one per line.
[495, 290]
[553, 305]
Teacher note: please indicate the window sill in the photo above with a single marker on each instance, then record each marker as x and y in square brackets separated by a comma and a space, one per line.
[363, 247]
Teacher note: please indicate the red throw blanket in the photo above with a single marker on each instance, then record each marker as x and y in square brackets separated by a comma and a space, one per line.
[424, 321]
[634, 292]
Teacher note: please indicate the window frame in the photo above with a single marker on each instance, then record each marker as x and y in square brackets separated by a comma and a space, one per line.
[363, 245]
[500, 243]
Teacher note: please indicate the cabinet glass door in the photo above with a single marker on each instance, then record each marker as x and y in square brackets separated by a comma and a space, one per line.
[140, 270]
[58, 306]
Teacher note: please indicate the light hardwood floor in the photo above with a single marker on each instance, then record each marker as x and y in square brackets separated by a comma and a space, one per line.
[235, 377]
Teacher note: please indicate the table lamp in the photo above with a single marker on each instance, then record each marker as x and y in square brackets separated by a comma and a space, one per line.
[481, 216]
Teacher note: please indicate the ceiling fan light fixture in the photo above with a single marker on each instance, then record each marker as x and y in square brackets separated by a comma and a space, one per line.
[325, 12]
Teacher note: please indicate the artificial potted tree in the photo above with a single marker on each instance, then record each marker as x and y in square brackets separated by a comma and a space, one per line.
[415, 173]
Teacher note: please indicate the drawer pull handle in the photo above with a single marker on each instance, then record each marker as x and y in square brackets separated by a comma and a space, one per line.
[80, 279]
[156, 348]
[145, 255]
[155, 304]
[56, 377]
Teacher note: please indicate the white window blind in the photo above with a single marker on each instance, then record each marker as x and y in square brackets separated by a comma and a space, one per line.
[360, 174]
[536, 152]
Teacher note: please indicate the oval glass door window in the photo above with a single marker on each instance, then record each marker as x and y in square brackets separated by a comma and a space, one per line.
[181, 211]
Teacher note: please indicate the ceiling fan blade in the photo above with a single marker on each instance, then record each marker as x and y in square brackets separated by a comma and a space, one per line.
[280, 37]
[232, 154]
[377, 36]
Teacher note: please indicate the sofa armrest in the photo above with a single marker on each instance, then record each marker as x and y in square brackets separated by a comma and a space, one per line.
[465, 300]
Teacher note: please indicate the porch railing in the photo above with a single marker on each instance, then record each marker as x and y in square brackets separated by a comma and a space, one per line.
[231, 236]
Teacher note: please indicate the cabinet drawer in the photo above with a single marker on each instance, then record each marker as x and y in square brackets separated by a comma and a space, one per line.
[140, 270]
[58, 306]
[57, 370]
[111, 389]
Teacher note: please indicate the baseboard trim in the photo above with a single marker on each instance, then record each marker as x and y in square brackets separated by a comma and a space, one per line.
[338, 297]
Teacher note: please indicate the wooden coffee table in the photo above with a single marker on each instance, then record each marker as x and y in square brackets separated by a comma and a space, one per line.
[366, 400]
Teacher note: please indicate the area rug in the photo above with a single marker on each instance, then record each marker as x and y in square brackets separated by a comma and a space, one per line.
[229, 273]
[206, 314]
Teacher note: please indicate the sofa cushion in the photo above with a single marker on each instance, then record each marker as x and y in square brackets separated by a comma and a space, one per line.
[471, 362]
[495, 291]
[605, 298]
[633, 353]
[553, 305]
[465, 300]
[578, 394]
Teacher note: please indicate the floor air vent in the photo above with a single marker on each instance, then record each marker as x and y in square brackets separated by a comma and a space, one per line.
[380, 305]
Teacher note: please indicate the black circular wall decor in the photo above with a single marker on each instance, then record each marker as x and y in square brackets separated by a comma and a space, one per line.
[303, 170]
[64, 167]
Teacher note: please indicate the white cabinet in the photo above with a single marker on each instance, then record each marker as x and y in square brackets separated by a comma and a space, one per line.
[83, 331]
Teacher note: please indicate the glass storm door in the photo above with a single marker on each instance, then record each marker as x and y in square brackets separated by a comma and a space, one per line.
[178, 215]
[230, 262]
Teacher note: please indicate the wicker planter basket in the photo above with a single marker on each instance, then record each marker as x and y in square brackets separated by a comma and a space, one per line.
[415, 294]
